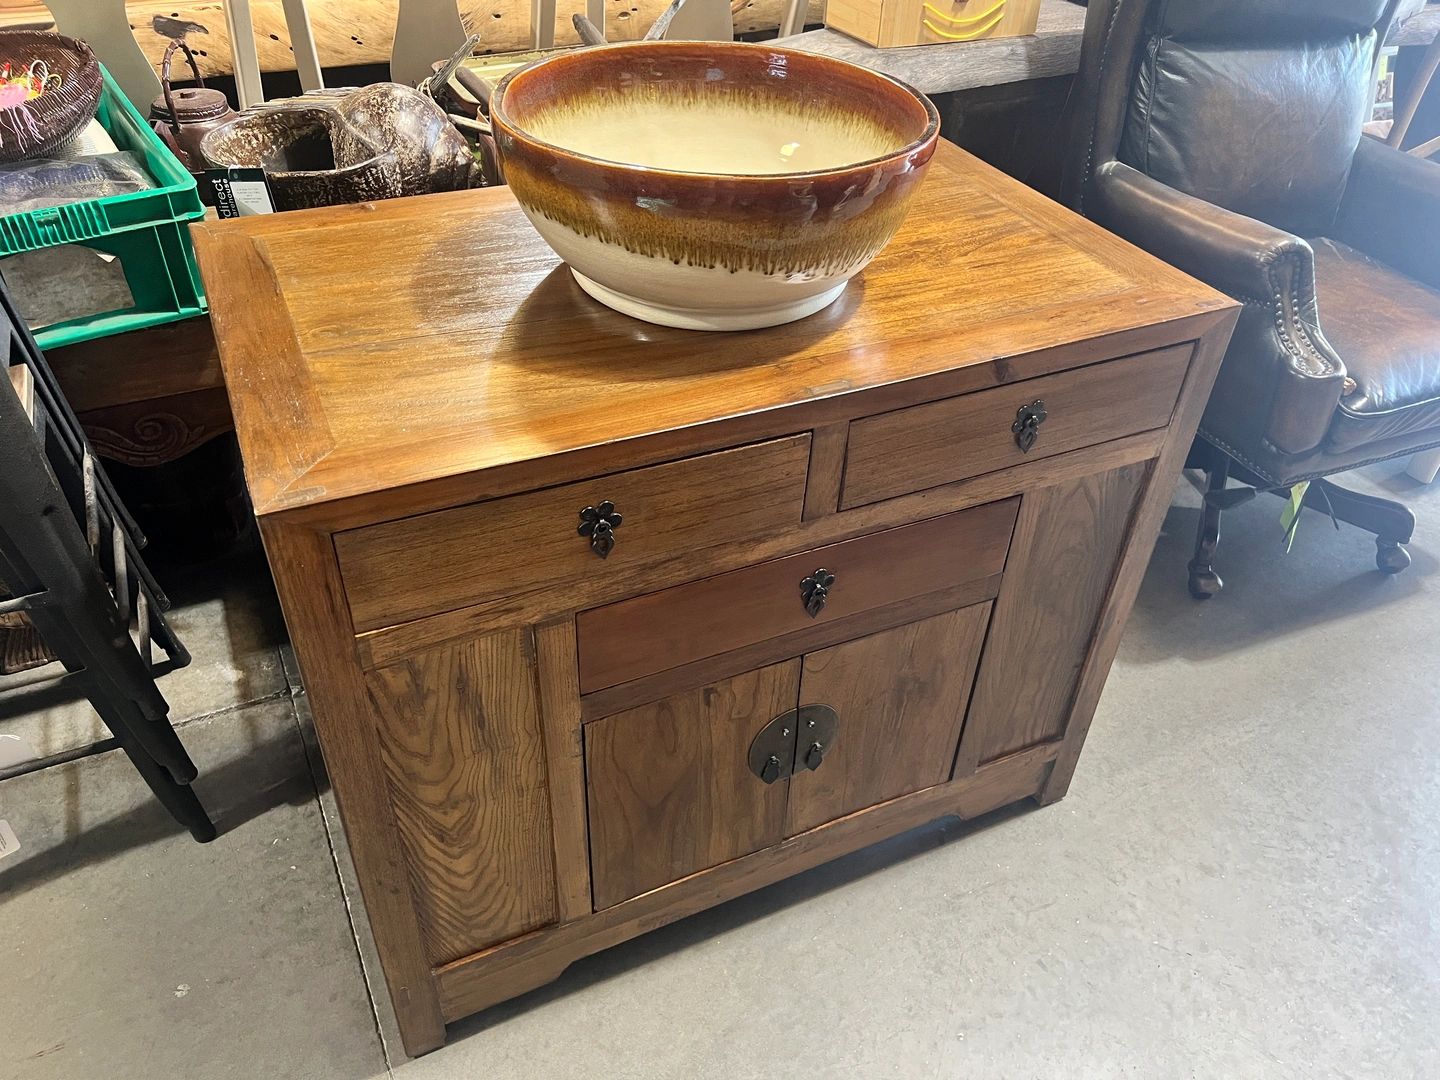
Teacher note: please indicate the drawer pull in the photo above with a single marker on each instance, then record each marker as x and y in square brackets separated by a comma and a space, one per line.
[599, 524]
[815, 590]
[1028, 419]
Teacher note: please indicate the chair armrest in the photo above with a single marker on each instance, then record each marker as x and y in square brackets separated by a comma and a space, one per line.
[1228, 251]
[1391, 210]
[1279, 364]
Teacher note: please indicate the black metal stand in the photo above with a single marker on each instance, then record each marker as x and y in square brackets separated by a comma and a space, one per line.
[69, 560]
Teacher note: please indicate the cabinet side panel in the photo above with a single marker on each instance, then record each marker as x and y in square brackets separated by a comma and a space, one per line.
[462, 746]
[670, 786]
[1062, 561]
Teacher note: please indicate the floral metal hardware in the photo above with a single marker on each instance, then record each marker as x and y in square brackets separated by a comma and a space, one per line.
[599, 524]
[1028, 419]
[815, 590]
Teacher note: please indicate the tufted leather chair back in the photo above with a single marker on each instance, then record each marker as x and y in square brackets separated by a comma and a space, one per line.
[1253, 105]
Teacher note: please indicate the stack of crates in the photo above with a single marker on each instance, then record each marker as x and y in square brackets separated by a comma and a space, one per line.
[148, 231]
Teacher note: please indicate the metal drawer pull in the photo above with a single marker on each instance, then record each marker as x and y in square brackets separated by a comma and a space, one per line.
[599, 524]
[1026, 427]
[815, 590]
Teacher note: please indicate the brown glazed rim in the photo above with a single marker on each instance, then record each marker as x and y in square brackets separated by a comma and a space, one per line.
[932, 125]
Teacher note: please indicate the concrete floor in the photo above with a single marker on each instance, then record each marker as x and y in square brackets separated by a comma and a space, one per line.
[1243, 881]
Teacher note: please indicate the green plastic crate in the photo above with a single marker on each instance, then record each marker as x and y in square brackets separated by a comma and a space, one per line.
[147, 230]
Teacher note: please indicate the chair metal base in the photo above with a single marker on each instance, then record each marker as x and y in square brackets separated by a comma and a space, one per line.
[1392, 523]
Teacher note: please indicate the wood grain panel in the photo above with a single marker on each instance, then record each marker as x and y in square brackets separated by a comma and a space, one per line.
[379, 647]
[822, 636]
[670, 788]
[1067, 541]
[827, 469]
[459, 730]
[1153, 504]
[278, 416]
[141, 365]
[901, 697]
[943, 441]
[564, 764]
[478, 982]
[535, 377]
[639, 637]
[437, 562]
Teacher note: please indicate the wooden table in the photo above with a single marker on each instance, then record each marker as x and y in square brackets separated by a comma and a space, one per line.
[846, 595]
[149, 396]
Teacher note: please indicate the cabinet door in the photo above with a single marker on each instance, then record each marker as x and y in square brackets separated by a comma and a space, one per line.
[669, 785]
[1067, 544]
[900, 696]
[459, 730]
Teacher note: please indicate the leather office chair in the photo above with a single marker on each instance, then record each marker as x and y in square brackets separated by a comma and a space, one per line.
[1224, 137]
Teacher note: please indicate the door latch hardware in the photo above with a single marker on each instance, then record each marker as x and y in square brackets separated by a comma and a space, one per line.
[794, 740]
[816, 730]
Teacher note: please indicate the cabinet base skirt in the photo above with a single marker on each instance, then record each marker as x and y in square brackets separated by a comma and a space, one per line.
[487, 978]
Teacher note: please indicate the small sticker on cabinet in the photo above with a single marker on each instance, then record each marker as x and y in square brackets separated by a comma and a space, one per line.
[9, 843]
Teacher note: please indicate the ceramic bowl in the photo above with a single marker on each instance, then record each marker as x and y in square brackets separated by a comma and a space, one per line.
[712, 186]
[381, 141]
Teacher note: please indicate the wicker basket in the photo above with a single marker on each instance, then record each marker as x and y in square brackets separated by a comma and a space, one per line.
[38, 126]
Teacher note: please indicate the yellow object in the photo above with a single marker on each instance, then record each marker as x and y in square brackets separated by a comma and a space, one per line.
[892, 24]
[966, 35]
[956, 20]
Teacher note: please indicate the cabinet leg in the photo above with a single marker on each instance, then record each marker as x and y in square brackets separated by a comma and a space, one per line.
[1204, 582]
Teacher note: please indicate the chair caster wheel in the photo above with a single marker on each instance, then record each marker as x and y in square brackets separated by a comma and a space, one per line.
[1204, 583]
[1390, 557]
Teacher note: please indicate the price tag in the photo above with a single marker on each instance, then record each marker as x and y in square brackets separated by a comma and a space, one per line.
[9, 844]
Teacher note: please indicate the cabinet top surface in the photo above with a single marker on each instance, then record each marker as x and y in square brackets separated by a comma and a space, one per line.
[381, 345]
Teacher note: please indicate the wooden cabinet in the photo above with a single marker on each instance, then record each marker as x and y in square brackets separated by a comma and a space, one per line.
[545, 741]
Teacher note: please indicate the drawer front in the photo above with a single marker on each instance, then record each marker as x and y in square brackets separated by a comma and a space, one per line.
[942, 441]
[424, 565]
[662, 630]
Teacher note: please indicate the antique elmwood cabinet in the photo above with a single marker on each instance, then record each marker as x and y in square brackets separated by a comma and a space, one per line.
[604, 623]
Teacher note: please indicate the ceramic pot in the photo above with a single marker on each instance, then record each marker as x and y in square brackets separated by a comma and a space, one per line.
[378, 142]
[714, 186]
[182, 118]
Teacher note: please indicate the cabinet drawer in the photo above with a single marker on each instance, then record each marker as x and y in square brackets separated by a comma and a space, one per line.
[662, 630]
[943, 441]
[437, 562]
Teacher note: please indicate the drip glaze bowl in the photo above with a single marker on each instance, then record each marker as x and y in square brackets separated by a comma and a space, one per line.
[712, 186]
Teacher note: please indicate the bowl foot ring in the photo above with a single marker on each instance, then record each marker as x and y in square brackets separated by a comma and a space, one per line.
[701, 319]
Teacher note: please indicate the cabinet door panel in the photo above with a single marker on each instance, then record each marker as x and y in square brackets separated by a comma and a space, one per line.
[1067, 543]
[460, 736]
[669, 786]
[901, 697]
